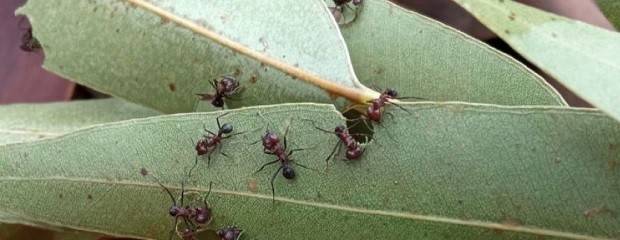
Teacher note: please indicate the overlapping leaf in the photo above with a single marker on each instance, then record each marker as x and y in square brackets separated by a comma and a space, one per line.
[27, 122]
[160, 53]
[582, 57]
[440, 172]
[394, 47]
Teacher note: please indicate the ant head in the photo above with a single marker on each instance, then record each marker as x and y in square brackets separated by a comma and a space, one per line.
[288, 172]
[340, 129]
[391, 92]
[226, 128]
[200, 148]
[270, 140]
[229, 233]
[218, 102]
[174, 210]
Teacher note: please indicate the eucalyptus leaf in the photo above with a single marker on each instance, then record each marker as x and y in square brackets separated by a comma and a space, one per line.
[437, 171]
[28, 122]
[611, 9]
[161, 53]
[394, 47]
[584, 58]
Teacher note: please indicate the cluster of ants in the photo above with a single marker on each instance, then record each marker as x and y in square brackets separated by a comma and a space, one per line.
[272, 144]
[195, 219]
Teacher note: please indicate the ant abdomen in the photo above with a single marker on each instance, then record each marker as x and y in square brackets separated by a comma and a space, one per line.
[288, 172]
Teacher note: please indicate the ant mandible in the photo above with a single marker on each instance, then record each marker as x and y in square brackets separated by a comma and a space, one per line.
[272, 146]
[354, 150]
[224, 87]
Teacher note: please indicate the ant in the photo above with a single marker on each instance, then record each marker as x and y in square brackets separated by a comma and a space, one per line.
[341, 3]
[354, 151]
[213, 140]
[224, 87]
[201, 214]
[29, 43]
[272, 146]
[229, 233]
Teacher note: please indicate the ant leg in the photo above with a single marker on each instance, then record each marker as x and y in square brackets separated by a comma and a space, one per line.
[267, 164]
[217, 119]
[306, 167]
[285, 134]
[273, 190]
[204, 127]
[182, 192]
[333, 153]
[208, 192]
[174, 201]
[192, 169]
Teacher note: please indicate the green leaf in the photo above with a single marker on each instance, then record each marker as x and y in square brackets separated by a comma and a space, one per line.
[28, 122]
[611, 9]
[442, 171]
[161, 54]
[582, 57]
[391, 46]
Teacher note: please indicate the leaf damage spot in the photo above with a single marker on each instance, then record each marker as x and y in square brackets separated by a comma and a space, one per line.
[144, 172]
[254, 78]
[172, 87]
[512, 16]
[90, 196]
[238, 72]
[507, 31]
[253, 185]
[554, 35]
[595, 211]
[612, 164]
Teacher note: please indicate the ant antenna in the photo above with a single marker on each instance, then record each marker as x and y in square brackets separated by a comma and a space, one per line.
[165, 188]
[208, 193]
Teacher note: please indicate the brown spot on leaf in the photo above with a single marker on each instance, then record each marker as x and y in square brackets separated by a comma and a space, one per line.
[612, 164]
[613, 147]
[512, 16]
[254, 78]
[253, 185]
[90, 196]
[172, 87]
[600, 209]
[507, 31]
[377, 71]
[144, 172]
[238, 72]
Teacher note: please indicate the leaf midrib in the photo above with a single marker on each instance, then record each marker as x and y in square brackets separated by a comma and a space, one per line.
[405, 215]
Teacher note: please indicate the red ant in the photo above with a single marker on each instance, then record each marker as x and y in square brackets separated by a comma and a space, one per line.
[201, 214]
[229, 233]
[224, 87]
[29, 42]
[212, 140]
[272, 146]
[341, 3]
[354, 151]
